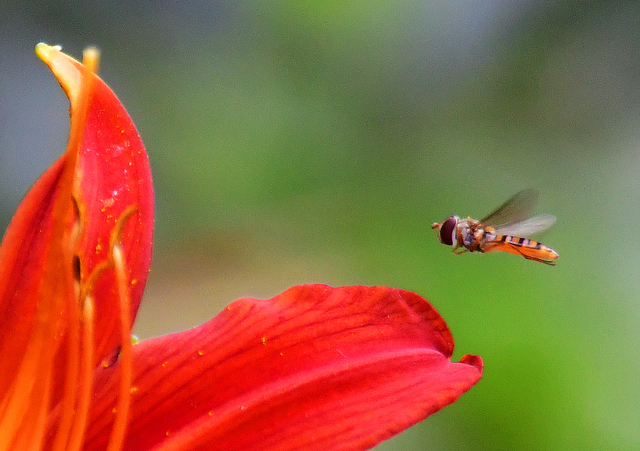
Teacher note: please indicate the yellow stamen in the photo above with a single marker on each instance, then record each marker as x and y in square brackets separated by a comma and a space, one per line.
[125, 361]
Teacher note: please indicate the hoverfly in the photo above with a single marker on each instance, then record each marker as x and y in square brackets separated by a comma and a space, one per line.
[501, 230]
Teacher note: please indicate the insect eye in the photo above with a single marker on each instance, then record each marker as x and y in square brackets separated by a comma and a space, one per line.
[448, 231]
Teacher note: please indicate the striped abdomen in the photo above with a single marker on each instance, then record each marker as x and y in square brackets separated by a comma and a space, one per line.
[529, 249]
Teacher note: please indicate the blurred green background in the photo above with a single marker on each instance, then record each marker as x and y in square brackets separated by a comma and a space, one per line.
[297, 142]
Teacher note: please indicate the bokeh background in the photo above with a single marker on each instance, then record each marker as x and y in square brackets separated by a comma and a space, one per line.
[296, 142]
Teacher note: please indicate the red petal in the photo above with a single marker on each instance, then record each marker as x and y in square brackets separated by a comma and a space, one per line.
[313, 368]
[22, 254]
[115, 174]
[112, 173]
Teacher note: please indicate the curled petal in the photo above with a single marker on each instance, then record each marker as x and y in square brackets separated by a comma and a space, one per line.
[112, 174]
[312, 368]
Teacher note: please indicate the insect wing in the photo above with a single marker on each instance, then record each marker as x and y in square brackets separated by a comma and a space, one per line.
[527, 227]
[515, 210]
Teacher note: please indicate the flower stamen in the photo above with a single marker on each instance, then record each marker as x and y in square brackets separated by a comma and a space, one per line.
[86, 374]
[126, 359]
[115, 260]
[71, 414]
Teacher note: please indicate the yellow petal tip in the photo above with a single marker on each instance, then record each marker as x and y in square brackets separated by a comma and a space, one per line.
[66, 69]
[47, 52]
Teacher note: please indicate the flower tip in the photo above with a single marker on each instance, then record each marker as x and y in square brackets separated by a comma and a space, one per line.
[67, 70]
[47, 52]
[473, 360]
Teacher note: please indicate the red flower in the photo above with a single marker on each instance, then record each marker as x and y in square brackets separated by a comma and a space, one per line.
[312, 368]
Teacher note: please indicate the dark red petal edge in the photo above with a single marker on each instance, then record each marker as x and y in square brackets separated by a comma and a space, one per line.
[312, 368]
